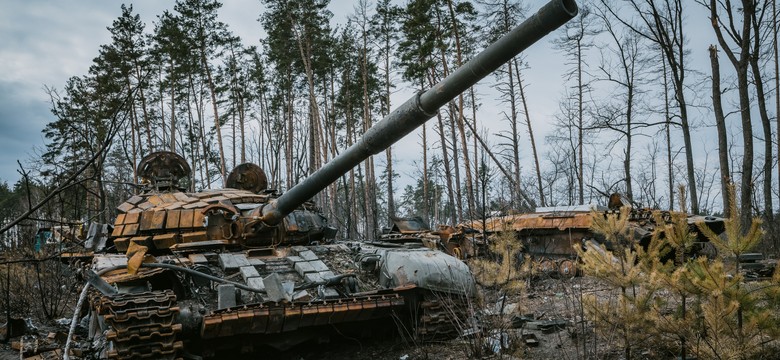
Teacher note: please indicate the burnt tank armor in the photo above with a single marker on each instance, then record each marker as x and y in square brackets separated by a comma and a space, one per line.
[242, 267]
[164, 218]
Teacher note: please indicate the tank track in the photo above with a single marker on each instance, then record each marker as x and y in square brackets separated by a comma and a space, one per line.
[443, 316]
[142, 325]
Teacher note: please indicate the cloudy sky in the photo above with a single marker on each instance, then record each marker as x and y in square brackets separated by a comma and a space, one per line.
[46, 42]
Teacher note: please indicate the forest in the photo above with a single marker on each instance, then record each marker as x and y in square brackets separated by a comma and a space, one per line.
[627, 120]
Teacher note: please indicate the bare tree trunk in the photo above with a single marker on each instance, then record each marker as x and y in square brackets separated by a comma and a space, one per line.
[460, 119]
[426, 210]
[370, 179]
[133, 129]
[217, 125]
[514, 132]
[162, 107]
[352, 196]
[667, 126]
[332, 131]
[314, 113]
[629, 141]
[741, 67]
[475, 148]
[720, 123]
[447, 169]
[173, 109]
[777, 89]
[194, 150]
[531, 134]
[665, 28]
[201, 124]
[289, 115]
[233, 137]
[766, 124]
[141, 95]
[580, 121]
[241, 126]
[529, 202]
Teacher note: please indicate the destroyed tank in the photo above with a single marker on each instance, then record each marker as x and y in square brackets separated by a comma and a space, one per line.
[458, 241]
[551, 235]
[196, 274]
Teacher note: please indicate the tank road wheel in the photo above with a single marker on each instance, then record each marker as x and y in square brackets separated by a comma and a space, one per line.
[141, 325]
[567, 269]
[547, 267]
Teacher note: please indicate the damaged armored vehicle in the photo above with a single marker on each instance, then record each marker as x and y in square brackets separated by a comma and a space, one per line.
[550, 235]
[193, 274]
[204, 266]
[458, 241]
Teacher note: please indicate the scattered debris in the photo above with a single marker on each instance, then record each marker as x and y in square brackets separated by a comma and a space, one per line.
[13, 328]
[530, 340]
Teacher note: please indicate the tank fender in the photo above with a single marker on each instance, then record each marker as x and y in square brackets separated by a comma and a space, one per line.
[427, 269]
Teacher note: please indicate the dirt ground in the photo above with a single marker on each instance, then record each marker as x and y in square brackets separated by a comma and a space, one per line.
[543, 302]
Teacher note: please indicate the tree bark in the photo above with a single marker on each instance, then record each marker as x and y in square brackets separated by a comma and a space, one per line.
[777, 91]
[741, 67]
[173, 107]
[720, 123]
[766, 124]
[531, 135]
[461, 127]
[217, 125]
[370, 179]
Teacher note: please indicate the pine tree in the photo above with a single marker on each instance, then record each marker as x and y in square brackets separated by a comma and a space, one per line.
[384, 28]
[206, 37]
[628, 267]
[737, 240]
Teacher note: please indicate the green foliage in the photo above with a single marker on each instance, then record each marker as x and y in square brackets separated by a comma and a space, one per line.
[631, 269]
[737, 240]
[502, 268]
[414, 197]
[614, 227]
[727, 319]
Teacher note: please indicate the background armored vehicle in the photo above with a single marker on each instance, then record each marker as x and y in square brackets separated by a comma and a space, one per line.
[457, 241]
[243, 267]
[551, 234]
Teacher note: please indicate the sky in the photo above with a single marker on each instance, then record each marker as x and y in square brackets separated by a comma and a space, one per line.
[46, 42]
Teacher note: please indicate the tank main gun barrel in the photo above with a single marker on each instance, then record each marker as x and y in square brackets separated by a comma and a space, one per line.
[423, 106]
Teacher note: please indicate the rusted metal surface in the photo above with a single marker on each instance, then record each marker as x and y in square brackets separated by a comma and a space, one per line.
[272, 317]
[457, 241]
[162, 170]
[142, 325]
[555, 221]
[410, 225]
[552, 236]
[248, 177]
